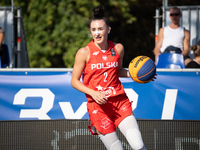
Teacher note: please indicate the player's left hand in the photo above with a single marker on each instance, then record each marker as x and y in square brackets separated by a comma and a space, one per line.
[154, 77]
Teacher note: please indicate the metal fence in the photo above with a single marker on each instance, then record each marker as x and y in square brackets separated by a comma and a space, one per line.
[74, 135]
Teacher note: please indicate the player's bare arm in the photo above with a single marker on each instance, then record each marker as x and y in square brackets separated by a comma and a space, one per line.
[80, 60]
[122, 72]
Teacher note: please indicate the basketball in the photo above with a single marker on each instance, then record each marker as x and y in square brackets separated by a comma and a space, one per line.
[142, 69]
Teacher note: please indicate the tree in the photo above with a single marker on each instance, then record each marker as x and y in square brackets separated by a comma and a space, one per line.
[57, 29]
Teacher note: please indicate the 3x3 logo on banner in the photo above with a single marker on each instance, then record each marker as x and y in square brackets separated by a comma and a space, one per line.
[48, 98]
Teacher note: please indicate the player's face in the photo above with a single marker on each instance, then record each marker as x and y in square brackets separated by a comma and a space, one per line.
[175, 16]
[99, 31]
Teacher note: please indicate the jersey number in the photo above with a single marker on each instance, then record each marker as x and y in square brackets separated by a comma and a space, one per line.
[106, 75]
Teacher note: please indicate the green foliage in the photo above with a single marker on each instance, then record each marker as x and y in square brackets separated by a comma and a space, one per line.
[57, 29]
[56, 32]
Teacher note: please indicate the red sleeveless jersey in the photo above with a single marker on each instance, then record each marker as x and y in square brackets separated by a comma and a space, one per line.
[101, 71]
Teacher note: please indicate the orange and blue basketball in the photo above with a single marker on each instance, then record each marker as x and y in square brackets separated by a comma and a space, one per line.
[142, 69]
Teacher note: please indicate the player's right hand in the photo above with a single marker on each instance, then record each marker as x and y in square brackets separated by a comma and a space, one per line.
[99, 97]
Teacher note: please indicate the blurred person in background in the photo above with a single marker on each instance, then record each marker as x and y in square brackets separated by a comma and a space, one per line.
[195, 63]
[173, 38]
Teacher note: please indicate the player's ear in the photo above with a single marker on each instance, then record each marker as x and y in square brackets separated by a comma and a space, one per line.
[109, 29]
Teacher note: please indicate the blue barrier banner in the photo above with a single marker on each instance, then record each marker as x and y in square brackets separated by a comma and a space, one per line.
[43, 95]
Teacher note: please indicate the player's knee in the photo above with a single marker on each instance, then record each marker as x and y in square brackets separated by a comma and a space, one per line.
[111, 141]
[134, 138]
[116, 146]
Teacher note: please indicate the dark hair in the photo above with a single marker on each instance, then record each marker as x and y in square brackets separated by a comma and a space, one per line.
[99, 13]
[196, 49]
[176, 8]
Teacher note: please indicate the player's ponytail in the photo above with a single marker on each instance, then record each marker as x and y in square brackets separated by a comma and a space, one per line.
[100, 13]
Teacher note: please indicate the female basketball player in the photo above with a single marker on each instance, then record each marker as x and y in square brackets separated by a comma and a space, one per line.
[100, 63]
